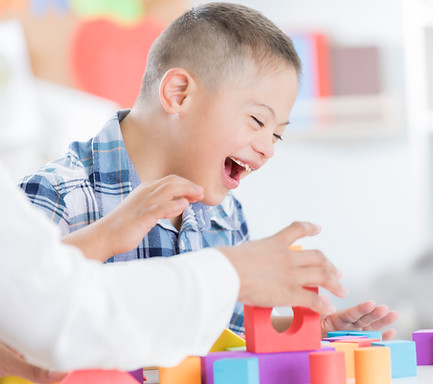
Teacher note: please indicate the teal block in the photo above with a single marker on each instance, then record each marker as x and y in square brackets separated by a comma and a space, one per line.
[403, 357]
[369, 334]
[236, 371]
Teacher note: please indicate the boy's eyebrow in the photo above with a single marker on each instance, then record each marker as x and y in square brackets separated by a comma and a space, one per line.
[271, 110]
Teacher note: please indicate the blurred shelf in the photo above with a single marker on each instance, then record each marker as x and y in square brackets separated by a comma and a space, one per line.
[347, 117]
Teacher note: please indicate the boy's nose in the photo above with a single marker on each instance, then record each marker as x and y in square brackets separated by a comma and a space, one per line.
[264, 145]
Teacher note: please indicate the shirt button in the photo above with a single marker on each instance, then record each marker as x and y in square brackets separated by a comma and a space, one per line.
[182, 245]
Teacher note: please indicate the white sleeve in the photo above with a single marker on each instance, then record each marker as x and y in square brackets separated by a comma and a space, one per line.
[66, 312]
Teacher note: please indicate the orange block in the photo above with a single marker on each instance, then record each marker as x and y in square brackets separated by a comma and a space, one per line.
[373, 365]
[362, 342]
[349, 355]
[261, 337]
[327, 367]
[187, 372]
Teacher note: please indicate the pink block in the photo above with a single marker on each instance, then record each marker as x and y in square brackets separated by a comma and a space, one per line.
[98, 376]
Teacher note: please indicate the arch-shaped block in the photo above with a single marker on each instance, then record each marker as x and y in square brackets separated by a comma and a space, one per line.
[261, 337]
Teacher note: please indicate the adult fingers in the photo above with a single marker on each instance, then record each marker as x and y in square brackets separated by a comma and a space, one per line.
[323, 277]
[310, 299]
[298, 230]
[175, 187]
[168, 209]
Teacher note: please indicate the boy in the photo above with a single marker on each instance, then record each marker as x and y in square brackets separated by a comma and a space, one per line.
[216, 96]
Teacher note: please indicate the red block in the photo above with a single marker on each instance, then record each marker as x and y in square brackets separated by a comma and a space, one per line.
[327, 367]
[304, 334]
[98, 376]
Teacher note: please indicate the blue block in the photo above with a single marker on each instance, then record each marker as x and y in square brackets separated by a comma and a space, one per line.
[369, 334]
[236, 371]
[403, 357]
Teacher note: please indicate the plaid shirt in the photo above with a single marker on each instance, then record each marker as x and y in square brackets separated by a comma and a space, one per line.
[95, 176]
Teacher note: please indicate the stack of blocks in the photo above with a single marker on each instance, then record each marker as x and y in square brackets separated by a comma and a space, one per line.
[299, 355]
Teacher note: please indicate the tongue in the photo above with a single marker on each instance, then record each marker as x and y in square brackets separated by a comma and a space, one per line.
[228, 167]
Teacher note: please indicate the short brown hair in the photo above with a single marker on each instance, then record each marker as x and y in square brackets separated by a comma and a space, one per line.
[211, 39]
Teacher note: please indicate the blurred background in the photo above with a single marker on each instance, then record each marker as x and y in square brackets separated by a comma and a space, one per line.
[356, 158]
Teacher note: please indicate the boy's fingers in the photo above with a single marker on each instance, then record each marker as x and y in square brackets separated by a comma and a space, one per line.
[297, 230]
[353, 314]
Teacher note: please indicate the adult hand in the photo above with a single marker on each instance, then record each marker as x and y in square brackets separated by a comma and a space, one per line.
[12, 364]
[123, 228]
[273, 275]
[366, 316]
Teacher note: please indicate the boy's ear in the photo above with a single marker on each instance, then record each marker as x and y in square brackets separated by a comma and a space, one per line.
[174, 88]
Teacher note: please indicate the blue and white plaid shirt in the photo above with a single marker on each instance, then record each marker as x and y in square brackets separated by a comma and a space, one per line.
[95, 176]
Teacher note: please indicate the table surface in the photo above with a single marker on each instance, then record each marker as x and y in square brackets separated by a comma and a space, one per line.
[425, 376]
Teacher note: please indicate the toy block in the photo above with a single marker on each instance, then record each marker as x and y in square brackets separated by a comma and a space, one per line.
[403, 357]
[424, 346]
[237, 349]
[14, 380]
[227, 339]
[96, 376]
[236, 371]
[327, 367]
[373, 365]
[261, 337]
[339, 338]
[187, 372]
[362, 342]
[349, 356]
[274, 368]
[137, 375]
[369, 334]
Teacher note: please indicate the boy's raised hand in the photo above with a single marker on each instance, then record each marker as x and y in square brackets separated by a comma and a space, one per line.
[366, 316]
[124, 227]
[272, 275]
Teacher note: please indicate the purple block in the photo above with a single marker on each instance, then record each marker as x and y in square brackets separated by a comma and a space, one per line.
[424, 346]
[339, 338]
[274, 368]
[137, 375]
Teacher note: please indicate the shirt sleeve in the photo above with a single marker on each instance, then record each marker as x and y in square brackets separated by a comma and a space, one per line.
[66, 312]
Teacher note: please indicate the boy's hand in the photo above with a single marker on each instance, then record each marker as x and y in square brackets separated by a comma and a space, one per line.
[272, 275]
[12, 364]
[366, 316]
[124, 228]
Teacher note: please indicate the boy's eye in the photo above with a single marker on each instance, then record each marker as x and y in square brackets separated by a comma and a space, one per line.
[259, 123]
[278, 137]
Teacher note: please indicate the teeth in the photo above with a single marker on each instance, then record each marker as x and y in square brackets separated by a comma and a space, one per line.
[246, 166]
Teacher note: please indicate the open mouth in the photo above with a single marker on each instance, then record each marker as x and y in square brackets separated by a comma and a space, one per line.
[234, 168]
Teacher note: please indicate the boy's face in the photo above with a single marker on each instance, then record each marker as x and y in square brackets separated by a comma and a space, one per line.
[231, 132]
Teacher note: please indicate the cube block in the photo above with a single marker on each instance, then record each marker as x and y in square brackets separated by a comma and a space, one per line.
[424, 346]
[236, 371]
[403, 357]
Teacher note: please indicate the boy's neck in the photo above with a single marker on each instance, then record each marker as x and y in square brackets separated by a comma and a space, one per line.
[147, 147]
[148, 150]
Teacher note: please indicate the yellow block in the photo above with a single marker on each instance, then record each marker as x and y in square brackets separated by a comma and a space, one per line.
[373, 365]
[187, 372]
[14, 380]
[227, 339]
[349, 355]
